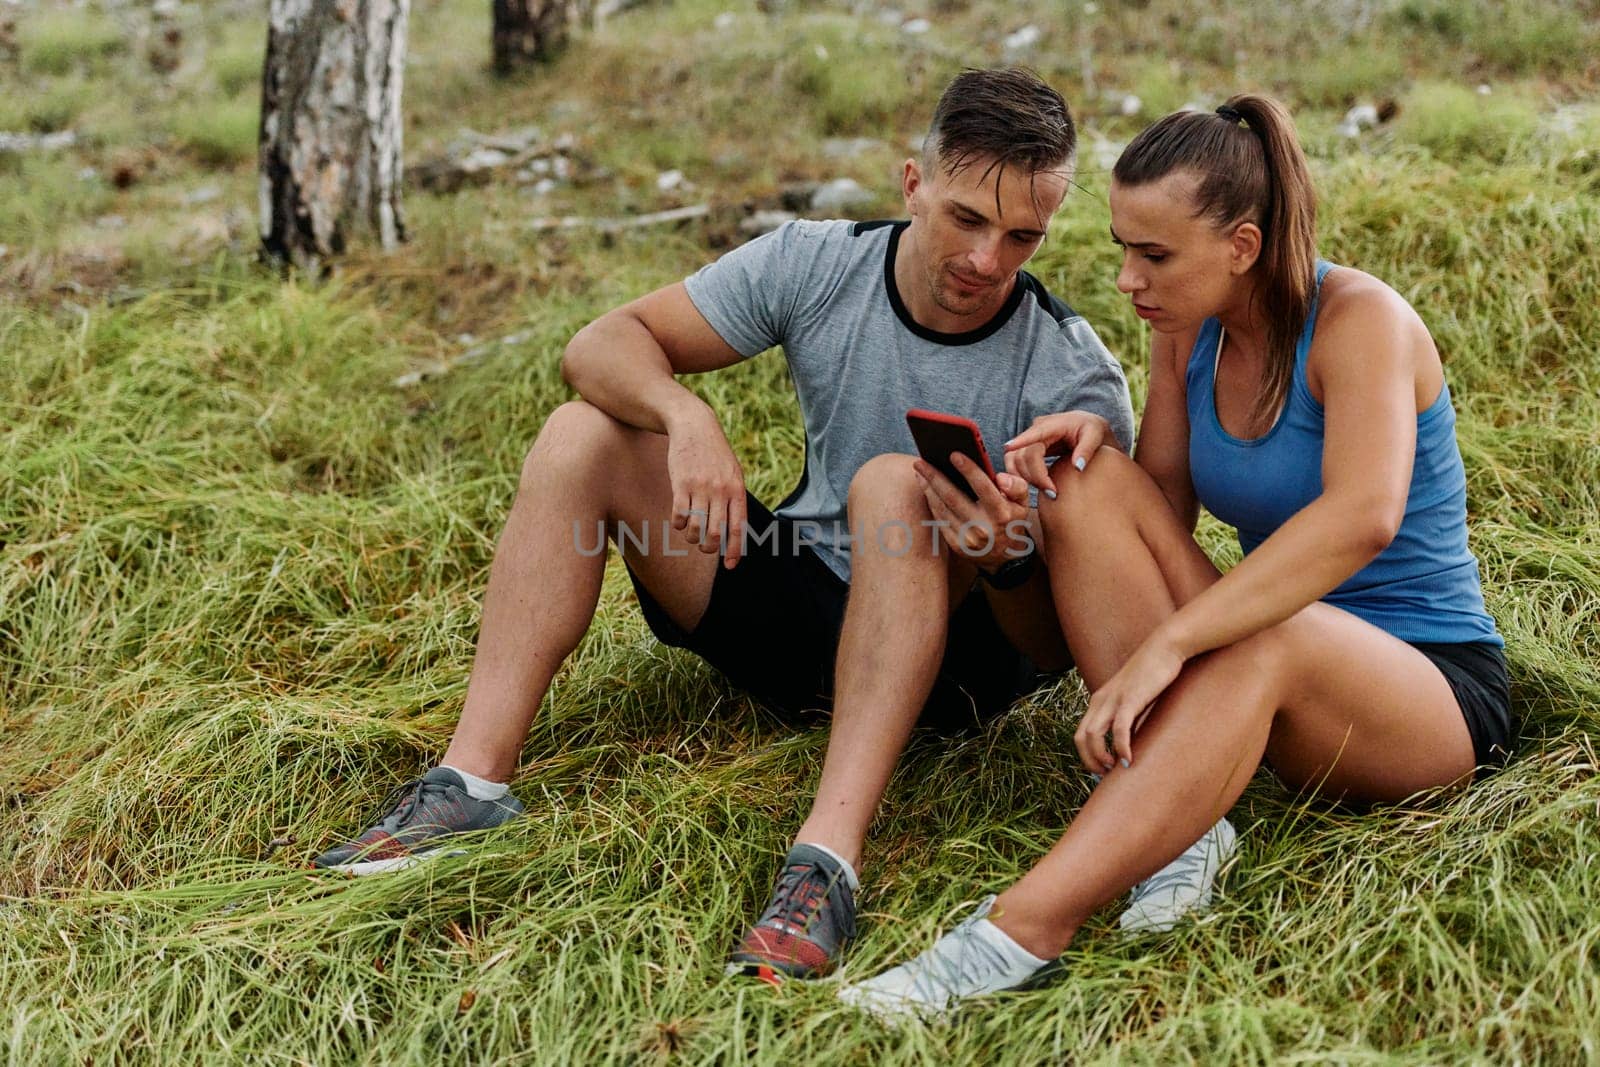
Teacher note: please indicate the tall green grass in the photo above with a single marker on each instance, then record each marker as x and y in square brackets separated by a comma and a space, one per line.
[240, 579]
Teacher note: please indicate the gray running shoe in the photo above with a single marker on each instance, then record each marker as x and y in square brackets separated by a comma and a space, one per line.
[421, 817]
[1182, 886]
[807, 923]
[973, 960]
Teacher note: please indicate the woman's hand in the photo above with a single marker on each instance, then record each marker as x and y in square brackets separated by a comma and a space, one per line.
[1075, 433]
[1120, 706]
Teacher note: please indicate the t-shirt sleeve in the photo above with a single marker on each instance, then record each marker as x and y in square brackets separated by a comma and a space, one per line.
[1084, 376]
[749, 294]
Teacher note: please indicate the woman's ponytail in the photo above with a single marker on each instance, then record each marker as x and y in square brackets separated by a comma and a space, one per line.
[1250, 168]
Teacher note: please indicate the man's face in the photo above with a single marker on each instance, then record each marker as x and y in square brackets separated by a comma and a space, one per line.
[972, 231]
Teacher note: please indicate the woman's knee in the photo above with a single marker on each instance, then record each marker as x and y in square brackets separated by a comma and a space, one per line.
[1105, 487]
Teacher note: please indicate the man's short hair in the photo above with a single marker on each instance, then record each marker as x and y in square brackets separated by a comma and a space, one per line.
[1008, 117]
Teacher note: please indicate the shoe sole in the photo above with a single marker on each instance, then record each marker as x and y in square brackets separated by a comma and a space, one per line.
[760, 971]
[363, 868]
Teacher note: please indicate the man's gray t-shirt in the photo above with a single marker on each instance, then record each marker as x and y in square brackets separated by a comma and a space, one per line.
[825, 292]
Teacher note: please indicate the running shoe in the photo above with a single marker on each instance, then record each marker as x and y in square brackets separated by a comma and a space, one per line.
[1183, 886]
[975, 959]
[806, 925]
[421, 818]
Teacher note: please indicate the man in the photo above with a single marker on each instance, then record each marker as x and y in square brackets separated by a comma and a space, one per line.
[948, 613]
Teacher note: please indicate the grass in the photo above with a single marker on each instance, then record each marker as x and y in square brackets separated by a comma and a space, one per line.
[60, 40]
[240, 580]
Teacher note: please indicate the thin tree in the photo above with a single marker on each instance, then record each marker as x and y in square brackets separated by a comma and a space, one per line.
[527, 32]
[330, 127]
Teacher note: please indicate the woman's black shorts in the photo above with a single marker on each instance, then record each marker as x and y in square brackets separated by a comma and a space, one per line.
[1476, 672]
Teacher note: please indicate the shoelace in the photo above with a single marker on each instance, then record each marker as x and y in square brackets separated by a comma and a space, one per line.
[955, 964]
[406, 800]
[801, 892]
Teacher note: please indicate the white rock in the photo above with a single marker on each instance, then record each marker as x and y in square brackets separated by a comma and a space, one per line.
[1022, 39]
[821, 52]
[88, 174]
[840, 196]
[5, 250]
[1349, 129]
[483, 159]
[544, 187]
[1484, 90]
[724, 21]
[1091, 8]
[41, 142]
[1130, 106]
[561, 167]
[670, 180]
[759, 222]
[850, 147]
[1362, 117]
[915, 26]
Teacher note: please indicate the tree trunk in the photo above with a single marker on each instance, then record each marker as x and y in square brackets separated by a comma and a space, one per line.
[533, 31]
[330, 126]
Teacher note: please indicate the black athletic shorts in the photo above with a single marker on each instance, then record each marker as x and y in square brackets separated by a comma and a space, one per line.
[772, 627]
[1476, 672]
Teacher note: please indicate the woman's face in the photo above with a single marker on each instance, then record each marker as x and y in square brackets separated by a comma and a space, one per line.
[1179, 268]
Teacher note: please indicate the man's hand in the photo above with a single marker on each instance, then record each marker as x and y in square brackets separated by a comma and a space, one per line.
[708, 496]
[987, 532]
[1076, 433]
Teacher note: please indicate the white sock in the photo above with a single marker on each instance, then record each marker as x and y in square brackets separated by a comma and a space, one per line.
[849, 871]
[479, 788]
[1023, 962]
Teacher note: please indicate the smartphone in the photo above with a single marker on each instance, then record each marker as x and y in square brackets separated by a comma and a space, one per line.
[938, 435]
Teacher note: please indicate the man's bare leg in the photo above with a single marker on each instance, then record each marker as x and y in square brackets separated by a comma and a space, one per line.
[903, 580]
[586, 473]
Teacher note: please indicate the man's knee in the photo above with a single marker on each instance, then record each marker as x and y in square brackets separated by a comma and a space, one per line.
[573, 435]
[888, 483]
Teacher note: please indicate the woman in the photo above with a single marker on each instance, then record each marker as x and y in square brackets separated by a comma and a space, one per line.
[1305, 405]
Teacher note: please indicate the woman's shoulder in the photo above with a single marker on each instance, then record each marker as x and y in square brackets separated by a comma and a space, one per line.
[1363, 325]
[1349, 296]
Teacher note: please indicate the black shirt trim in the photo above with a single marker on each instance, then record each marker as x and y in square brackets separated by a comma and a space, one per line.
[968, 337]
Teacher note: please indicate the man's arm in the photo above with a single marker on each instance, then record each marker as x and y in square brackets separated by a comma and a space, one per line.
[624, 362]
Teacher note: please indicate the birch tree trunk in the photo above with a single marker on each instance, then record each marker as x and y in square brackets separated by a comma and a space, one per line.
[331, 127]
[533, 31]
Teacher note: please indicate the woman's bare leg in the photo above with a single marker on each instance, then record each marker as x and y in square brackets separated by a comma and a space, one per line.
[1120, 561]
[1336, 704]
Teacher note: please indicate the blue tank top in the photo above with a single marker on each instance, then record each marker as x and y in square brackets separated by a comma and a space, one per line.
[1424, 587]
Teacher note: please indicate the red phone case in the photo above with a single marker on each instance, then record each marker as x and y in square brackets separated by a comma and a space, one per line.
[937, 435]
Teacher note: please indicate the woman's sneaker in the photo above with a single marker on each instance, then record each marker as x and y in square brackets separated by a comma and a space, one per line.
[806, 924]
[422, 817]
[1182, 886]
[975, 959]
